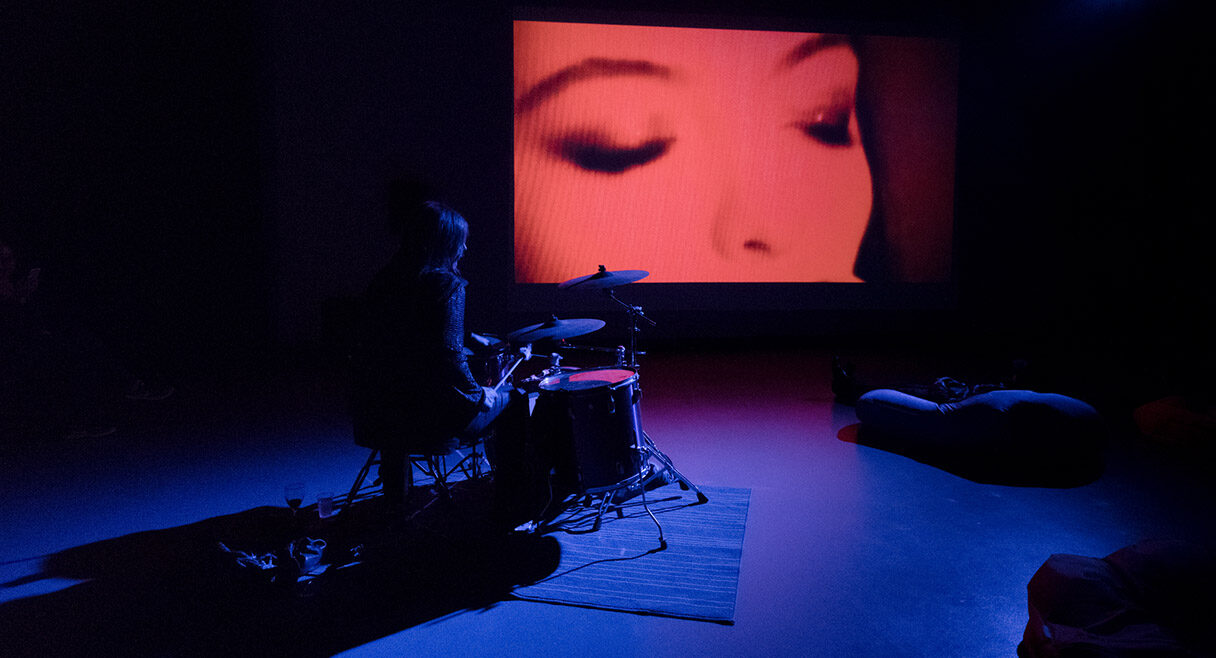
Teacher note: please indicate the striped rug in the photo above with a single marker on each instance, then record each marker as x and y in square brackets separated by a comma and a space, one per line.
[621, 566]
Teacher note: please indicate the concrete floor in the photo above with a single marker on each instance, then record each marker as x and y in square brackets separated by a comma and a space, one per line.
[849, 550]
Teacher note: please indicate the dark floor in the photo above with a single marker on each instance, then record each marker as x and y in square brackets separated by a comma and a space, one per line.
[849, 550]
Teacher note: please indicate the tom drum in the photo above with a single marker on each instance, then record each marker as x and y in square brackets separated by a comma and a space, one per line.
[594, 425]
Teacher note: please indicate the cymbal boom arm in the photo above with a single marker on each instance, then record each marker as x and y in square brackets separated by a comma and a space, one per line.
[635, 314]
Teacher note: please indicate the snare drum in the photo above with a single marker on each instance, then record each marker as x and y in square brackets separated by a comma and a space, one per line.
[489, 364]
[594, 425]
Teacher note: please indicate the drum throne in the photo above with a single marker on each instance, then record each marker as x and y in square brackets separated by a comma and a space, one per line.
[440, 467]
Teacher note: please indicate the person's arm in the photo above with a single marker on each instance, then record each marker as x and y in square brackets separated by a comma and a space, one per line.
[453, 340]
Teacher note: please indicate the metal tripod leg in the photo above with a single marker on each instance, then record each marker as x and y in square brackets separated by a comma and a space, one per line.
[669, 467]
[644, 482]
[609, 496]
[605, 502]
[631, 486]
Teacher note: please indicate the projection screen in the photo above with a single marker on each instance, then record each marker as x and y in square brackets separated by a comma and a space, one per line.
[706, 155]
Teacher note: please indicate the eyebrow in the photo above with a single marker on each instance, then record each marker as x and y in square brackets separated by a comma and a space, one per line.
[592, 67]
[810, 47]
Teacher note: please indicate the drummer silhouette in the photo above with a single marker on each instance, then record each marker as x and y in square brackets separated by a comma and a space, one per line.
[412, 390]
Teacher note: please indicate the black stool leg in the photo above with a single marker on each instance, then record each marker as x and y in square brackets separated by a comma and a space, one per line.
[354, 489]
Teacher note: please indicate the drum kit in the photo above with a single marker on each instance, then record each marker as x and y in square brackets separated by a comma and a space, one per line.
[591, 416]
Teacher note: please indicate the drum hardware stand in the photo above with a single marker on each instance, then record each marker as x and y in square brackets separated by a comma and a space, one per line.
[640, 482]
[668, 471]
[647, 475]
[609, 496]
[555, 365]
[635, 314]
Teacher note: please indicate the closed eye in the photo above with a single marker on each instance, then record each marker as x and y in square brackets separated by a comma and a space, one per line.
[829, 127]
[596, 154]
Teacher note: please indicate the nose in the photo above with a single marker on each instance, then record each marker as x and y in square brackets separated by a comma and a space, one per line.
[741, 229]
[756, 245]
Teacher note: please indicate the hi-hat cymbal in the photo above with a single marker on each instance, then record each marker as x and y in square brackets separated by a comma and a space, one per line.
[555, 328]
[603, 279]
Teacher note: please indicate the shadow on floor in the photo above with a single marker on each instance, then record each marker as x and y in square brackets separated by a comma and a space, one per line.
[173, 592]
[984, 465]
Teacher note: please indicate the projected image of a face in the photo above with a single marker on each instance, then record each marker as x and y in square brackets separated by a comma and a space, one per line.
[699, 155]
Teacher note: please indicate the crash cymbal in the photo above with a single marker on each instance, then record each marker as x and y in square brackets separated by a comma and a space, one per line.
[603, 279]
[555, 328]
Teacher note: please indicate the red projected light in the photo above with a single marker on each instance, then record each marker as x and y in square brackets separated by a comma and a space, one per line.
[699, 155]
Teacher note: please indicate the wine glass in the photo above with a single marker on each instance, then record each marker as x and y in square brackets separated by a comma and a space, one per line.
[294, 495]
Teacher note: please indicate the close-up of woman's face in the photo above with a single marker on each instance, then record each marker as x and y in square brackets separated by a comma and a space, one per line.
[699, 155]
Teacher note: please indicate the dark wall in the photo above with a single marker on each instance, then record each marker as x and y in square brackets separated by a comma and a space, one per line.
[1082, 145]
[358, 93]
[131, 172]
[213, 175]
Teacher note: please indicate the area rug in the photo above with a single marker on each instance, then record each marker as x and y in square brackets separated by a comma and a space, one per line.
[622, 566]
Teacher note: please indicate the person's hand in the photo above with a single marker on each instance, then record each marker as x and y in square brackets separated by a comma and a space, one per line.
[526, 351]
[490, 399]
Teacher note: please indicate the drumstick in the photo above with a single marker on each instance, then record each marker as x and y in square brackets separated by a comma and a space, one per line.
[525, 354]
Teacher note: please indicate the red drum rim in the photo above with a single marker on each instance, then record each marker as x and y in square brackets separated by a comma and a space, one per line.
[591, 378]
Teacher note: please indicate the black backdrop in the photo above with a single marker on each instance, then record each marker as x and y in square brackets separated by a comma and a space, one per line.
[132, 171]
[202, 179]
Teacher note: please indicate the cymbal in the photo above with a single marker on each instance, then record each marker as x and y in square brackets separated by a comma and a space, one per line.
[555, 328]
[603, 279]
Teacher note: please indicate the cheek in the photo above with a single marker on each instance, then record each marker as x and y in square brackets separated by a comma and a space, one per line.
[811, 205]
[835, 191]
[818, 193]
[846, 214]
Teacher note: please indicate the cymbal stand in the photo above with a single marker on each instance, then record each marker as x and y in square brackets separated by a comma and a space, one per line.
[635, 314]
[667, 472]
[647, 477]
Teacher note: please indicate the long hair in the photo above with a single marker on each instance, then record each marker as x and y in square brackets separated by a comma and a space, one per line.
[433, 238]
